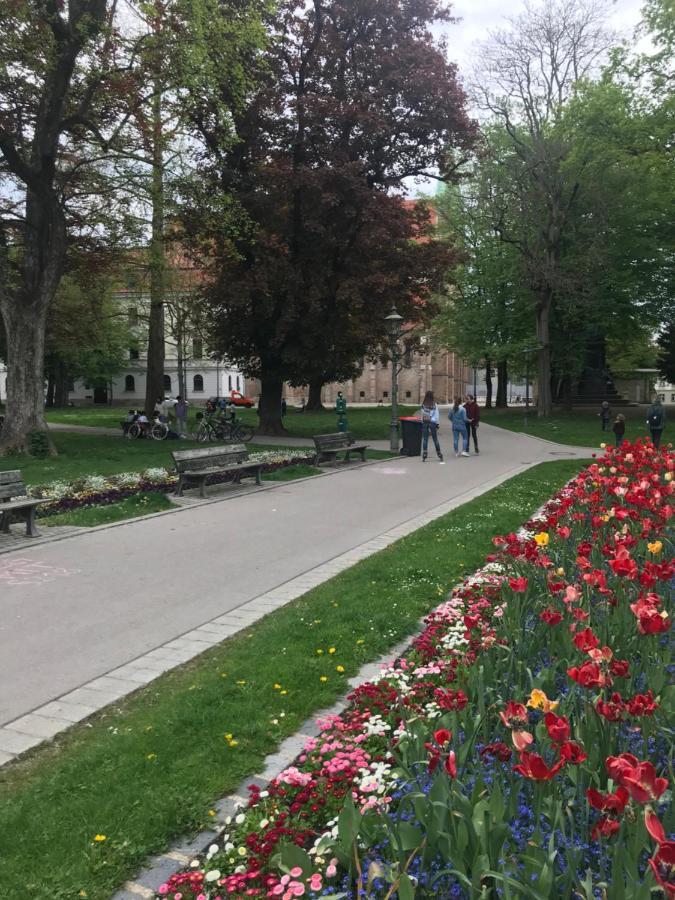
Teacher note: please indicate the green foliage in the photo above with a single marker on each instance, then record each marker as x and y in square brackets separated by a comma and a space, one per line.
[38, 444]
[666, 358]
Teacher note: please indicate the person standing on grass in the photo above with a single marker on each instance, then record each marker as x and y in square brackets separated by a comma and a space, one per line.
[473, 417]
[605, 415]
[181, 410]
[656, 421]
[619, 429]
[458, 417]
[430, 423]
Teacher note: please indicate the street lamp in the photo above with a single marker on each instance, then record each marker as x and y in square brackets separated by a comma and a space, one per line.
[393, 326]
[528, 352]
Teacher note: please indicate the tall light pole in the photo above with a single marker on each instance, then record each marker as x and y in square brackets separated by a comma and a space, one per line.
[393, 325]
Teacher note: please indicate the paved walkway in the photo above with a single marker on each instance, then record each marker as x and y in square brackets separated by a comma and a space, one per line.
[90, 617]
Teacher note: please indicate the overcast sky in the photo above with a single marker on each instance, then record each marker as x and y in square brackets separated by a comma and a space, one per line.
[477, 17]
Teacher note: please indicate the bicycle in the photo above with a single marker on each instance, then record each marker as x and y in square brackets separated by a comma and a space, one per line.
[219, 430]
[158, 431]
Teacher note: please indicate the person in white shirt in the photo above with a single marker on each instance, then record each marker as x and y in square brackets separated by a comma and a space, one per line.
[430, 423]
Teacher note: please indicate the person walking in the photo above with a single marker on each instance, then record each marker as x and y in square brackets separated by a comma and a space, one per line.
[656, 421]
[458, 417]
[473, 419]
[619, 429]
[605, 415]
[181, 411]
[430, 424]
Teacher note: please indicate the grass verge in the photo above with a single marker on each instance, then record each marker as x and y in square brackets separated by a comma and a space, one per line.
[580, 428]
[140, 505]
[147, 769]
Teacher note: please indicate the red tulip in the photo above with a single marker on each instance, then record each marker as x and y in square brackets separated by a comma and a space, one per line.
[551, 616]
[617, 766]
[585, 640]
[588, 675]
[498, 749]
[442, 736]
[643, 784]
[521, 739]
[642, 705]
[663, 867]
[451, 764]
[615, 802]
[515, 714]
[572, 753]
[518, 585]
[558, 727]
[605, 827]
[533, 766]
[654, 826]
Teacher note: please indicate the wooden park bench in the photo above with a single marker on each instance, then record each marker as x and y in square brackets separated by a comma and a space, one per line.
[329, 445]
[15, 504]
[197, 465]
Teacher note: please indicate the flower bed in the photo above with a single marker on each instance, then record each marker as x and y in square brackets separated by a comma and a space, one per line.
[521, 748]
[100, 490]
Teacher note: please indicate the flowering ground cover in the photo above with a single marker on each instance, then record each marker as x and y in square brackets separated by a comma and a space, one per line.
[98, 490]
[521, 748]
[148, 769]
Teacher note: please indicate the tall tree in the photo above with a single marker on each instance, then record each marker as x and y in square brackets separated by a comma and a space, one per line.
[53, 98]
[528, 72]
[353, 100]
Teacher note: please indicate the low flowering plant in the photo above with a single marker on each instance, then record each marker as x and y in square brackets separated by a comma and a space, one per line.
[507, 753]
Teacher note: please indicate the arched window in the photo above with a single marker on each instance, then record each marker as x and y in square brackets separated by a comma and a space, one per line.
[198, 384]
[167, 383]
[129, 383]
[238, 387]
[229, 382]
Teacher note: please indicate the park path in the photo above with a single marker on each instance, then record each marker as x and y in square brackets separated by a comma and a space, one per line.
[79, 614]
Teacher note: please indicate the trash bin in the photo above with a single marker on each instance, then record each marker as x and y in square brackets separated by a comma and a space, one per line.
[411, 434]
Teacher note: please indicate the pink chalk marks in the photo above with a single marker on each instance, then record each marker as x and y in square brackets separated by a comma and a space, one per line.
[29, 571]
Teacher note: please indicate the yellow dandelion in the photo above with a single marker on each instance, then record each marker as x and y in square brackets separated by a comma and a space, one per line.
[277, 687]
[360, 641]
[331, 650]
[340, 668]
[99, 838]
[283, 693]
[151, 756]
[323, 678]
[319, 652]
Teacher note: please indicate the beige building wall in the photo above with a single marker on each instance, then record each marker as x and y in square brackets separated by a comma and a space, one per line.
[444, 374]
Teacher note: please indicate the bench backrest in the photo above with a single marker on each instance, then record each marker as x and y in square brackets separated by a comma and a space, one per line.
[11, 485]
[337, 441]
[192, 460]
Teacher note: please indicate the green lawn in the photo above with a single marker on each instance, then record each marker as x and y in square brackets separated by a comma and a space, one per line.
[138, 505]
[365, 423]
[581, 427]
[148, 769]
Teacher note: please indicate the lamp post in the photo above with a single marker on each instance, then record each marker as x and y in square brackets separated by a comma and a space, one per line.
[528, 352]
[393, 325]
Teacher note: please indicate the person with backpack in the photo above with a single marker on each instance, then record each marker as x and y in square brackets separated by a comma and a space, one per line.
[656, 421]
[458, 417]
[430, 423]
[473, 419]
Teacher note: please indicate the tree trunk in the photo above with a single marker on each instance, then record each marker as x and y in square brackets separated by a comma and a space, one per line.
[154, 387]
[544, 397]
[488, 384]
[269, 409]
[314, 403]
[502, 384]
[60, 385]
[25, 376]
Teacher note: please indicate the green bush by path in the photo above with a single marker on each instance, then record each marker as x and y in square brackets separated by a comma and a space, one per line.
[147, 770]
[580, 428]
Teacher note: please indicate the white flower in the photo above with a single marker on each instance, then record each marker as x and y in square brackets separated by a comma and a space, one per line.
[240, 819]
[213, 875]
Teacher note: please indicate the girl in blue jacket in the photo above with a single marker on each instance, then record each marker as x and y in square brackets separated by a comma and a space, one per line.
[457, 416]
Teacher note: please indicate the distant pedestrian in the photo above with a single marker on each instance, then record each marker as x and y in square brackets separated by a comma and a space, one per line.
[458, 417]
[473, 419]
[181, 411]
[430, 424]
[619, 429]
[162, 408]
[605, 415]
[656, 421]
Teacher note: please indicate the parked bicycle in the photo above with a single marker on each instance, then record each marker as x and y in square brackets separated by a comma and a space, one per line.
[158, 431]
[210, 428]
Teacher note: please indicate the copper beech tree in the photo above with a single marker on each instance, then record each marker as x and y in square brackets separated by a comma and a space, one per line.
[354, 100]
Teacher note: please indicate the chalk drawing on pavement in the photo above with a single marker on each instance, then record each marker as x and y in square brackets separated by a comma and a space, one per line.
[29, 571]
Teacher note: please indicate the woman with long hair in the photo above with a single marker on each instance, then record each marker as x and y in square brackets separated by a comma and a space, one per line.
[430, 423]
[458, 417]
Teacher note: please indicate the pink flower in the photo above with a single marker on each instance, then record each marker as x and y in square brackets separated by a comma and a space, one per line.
[314, 882]
[296, 872]
[332, 868]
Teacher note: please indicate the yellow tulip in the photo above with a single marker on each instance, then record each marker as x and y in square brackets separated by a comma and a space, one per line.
[655, 547]
[539, 700]
[542, 538]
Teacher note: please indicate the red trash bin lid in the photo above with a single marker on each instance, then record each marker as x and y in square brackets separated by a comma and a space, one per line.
[409, 419]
